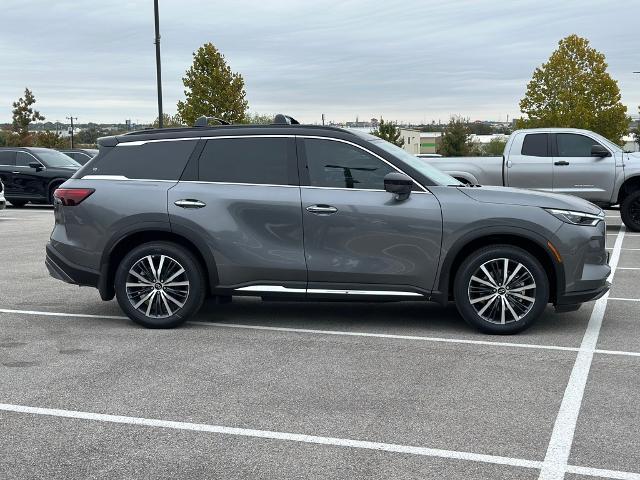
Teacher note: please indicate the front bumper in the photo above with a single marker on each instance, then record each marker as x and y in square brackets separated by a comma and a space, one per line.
[576, 298]
[62, 269]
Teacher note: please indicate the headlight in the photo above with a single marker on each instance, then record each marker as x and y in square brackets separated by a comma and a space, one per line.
[576, 218]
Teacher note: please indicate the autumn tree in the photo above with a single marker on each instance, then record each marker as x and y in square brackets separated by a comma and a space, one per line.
[212, 89]
[573, 89]
[169, 121]
[456, 139]
[50, 139]
[23, 114]
[390, 132]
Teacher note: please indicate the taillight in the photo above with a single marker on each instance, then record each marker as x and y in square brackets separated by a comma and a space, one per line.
[72, 196]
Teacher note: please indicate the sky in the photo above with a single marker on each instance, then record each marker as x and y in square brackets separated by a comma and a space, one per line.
[411, 61]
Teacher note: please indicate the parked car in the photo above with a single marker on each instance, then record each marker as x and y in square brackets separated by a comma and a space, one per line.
[163, 218]
[560, 160]
[81, 155]
[32, 174]
[3, 202]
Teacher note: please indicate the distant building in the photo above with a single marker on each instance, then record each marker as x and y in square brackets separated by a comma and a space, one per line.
[630, 144]
[411, 139]
[430, 141]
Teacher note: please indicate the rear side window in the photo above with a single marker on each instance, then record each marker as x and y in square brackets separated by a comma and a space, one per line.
[245, 160]
[7, 158]
[149, 161]
[535, 145]
[574, 145]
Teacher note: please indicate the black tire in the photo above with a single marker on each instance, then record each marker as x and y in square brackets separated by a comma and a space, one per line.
[18, 203]
[630, 211]
[176, 315]
[491, 258]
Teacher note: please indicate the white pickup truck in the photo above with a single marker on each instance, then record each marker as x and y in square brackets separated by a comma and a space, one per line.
[560, 160]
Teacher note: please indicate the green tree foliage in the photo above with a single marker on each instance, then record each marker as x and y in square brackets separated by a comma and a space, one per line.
[49, 139]
[456, 140]
[212, 89]
[89, 136]
[389, 131]
[169, 121]
[254, 118]
[635, 132]
[23, 114]
[495, 147]
[573, 89]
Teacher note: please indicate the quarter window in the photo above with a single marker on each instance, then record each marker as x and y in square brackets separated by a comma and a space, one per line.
[149, 161]
[574, 145]
[535, 145]
[340, 165]
[246, 160]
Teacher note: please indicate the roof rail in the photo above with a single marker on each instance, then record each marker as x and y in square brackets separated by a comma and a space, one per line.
[203, 121]
[281, 119]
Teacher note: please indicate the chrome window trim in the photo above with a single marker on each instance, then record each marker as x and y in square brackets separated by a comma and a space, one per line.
[240, 184]
[337, 291]
[315, 137]
[23, 166]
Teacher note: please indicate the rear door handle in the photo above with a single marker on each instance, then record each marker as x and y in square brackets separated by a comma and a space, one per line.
[189, 203]
[322, 209]
[561, 163]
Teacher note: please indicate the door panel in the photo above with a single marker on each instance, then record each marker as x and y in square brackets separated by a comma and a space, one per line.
[576, 172]
[371, 238]
[529, 162]
[254, 232]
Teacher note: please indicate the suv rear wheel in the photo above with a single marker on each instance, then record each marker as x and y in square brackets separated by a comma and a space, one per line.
[18, 203]
[501, 289]
[160, 285]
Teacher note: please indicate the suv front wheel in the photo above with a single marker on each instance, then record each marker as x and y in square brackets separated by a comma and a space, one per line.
[160, 285]
[501, 289]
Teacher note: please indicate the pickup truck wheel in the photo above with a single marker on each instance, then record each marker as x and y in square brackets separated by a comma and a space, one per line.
[630, 211]
[160, 285]
[501, 289]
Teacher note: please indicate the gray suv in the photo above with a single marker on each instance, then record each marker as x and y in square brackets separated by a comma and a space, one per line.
[162, 219]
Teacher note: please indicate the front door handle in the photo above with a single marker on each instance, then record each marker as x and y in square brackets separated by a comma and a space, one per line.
[561, 163]
[16, 173]
[322, 209]
[189, 203]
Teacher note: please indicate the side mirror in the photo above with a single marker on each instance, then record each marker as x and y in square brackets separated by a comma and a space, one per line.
[599, 151]
[398, 184]
[36, 165]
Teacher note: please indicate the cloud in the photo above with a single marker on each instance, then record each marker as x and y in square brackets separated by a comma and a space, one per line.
[410, 60]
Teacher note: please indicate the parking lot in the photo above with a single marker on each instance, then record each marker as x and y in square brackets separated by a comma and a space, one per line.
[258, 389]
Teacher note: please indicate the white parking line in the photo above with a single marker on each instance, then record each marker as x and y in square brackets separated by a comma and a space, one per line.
[620, 299]
[557, 456]
[628, 268]
[390, 336]
[313, 439]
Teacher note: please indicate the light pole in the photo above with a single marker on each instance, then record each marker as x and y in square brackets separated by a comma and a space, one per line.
[158, 71]
[71, 118]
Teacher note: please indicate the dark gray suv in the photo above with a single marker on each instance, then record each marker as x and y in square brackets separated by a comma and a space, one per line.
[162, 219]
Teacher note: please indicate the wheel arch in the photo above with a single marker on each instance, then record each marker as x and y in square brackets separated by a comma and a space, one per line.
[629, 186]
[528, 241]
[117, 249]
[54, 182]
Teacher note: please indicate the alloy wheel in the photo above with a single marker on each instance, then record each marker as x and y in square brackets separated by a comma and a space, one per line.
[502, 291]
[157, 286]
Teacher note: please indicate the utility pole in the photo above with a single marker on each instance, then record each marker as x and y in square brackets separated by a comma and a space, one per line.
[323, 118]
[158, 70]
[71, 118]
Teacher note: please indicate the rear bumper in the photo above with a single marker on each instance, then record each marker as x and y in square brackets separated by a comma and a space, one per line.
[62, 269]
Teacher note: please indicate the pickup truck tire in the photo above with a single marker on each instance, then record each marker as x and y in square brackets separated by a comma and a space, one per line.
[630, 211]
[501, 289]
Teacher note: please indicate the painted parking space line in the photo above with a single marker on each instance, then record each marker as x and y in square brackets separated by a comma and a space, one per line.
[620, 299]
[310, 439]
[628, 268]
[310, 331]
[557, 457]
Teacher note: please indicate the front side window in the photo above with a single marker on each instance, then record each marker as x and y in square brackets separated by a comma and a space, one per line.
[24, 159]
[535, 145]
[245, 160]
[574, 145]
[149, 161]
[340, 165]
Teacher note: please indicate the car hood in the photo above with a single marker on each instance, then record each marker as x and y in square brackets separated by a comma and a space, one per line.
[635, 156]
[530, 198]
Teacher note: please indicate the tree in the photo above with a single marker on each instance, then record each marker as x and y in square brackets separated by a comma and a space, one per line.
[212, 89]
[23, 115]
[90, 134]
[390, 132]
[258, 118]
[636, 131]
[456, 140]
[169, 121]
[573, 89]
[495, 147]
[49, 139]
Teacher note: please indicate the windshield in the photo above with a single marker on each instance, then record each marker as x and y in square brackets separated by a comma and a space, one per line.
[52, 158]
[419, 164]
